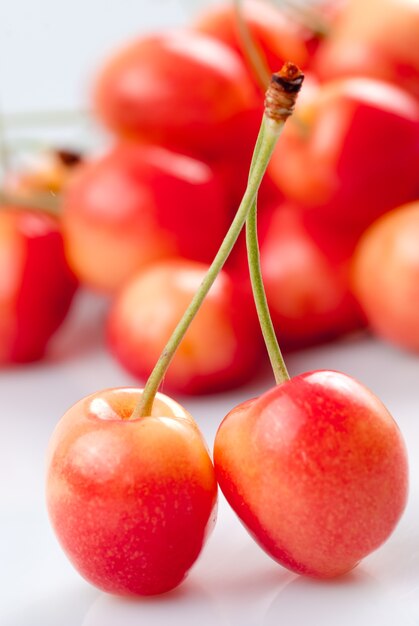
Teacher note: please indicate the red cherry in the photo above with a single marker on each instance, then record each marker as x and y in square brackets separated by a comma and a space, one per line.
[377, 39]
[316, 469]
[132, 501]
[137, 204]
[221, 348]
[307, 280]
[36, 284]
[182, 90]
[352, 153]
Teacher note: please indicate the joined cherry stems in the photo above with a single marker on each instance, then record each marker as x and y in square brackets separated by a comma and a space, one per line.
[279, 104]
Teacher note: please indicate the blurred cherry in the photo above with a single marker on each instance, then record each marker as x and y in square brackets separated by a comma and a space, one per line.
[36, 284]
[222, 347]
[136, 204]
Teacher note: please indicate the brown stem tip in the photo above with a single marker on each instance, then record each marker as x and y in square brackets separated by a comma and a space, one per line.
[282, 92]
[68, 158]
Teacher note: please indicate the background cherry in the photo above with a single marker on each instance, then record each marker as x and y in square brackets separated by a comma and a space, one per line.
[36, 284]
[144, 91]
[307, 280]
[363, 43]
[352, 153]
[136, 204]
[385, 276]
[222, 347]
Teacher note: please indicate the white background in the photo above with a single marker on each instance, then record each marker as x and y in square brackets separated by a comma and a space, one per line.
[48, 53]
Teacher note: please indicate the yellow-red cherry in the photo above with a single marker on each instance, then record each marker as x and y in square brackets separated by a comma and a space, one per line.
[131, 500]
[316, 469]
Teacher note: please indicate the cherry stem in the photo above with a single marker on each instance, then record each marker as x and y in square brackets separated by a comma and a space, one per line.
[278, 365]
[251, 50]
[305, 13]
[279, 104]
[48, 203]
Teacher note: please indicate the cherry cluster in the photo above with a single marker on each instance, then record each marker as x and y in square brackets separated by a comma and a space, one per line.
[316, 467]
[143, 220]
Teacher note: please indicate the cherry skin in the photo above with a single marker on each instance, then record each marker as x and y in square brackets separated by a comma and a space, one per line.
[181, 89]
[222, 346]
[131, 500]
[385, 276]
[316, 469]
[136, 204]
[36, 284]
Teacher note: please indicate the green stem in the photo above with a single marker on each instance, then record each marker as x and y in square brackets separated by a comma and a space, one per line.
[274, 352]
[251, 50]
[265, 149]
[278, 365]
[41, 202]
[306, 14]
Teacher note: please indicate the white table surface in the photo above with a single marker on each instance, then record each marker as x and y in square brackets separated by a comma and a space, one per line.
[48, 52]
[233, 582]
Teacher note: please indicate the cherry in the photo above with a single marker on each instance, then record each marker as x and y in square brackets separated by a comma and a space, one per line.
[377, 39]
[36, 284]
[132, 501]
[385, 276]
[306, 277]
[222, 347]
[182, 90]
[352, 153]
[136, 204]
[316, 470]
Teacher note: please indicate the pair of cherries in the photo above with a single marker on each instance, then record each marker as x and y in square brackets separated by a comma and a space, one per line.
[315, 468]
